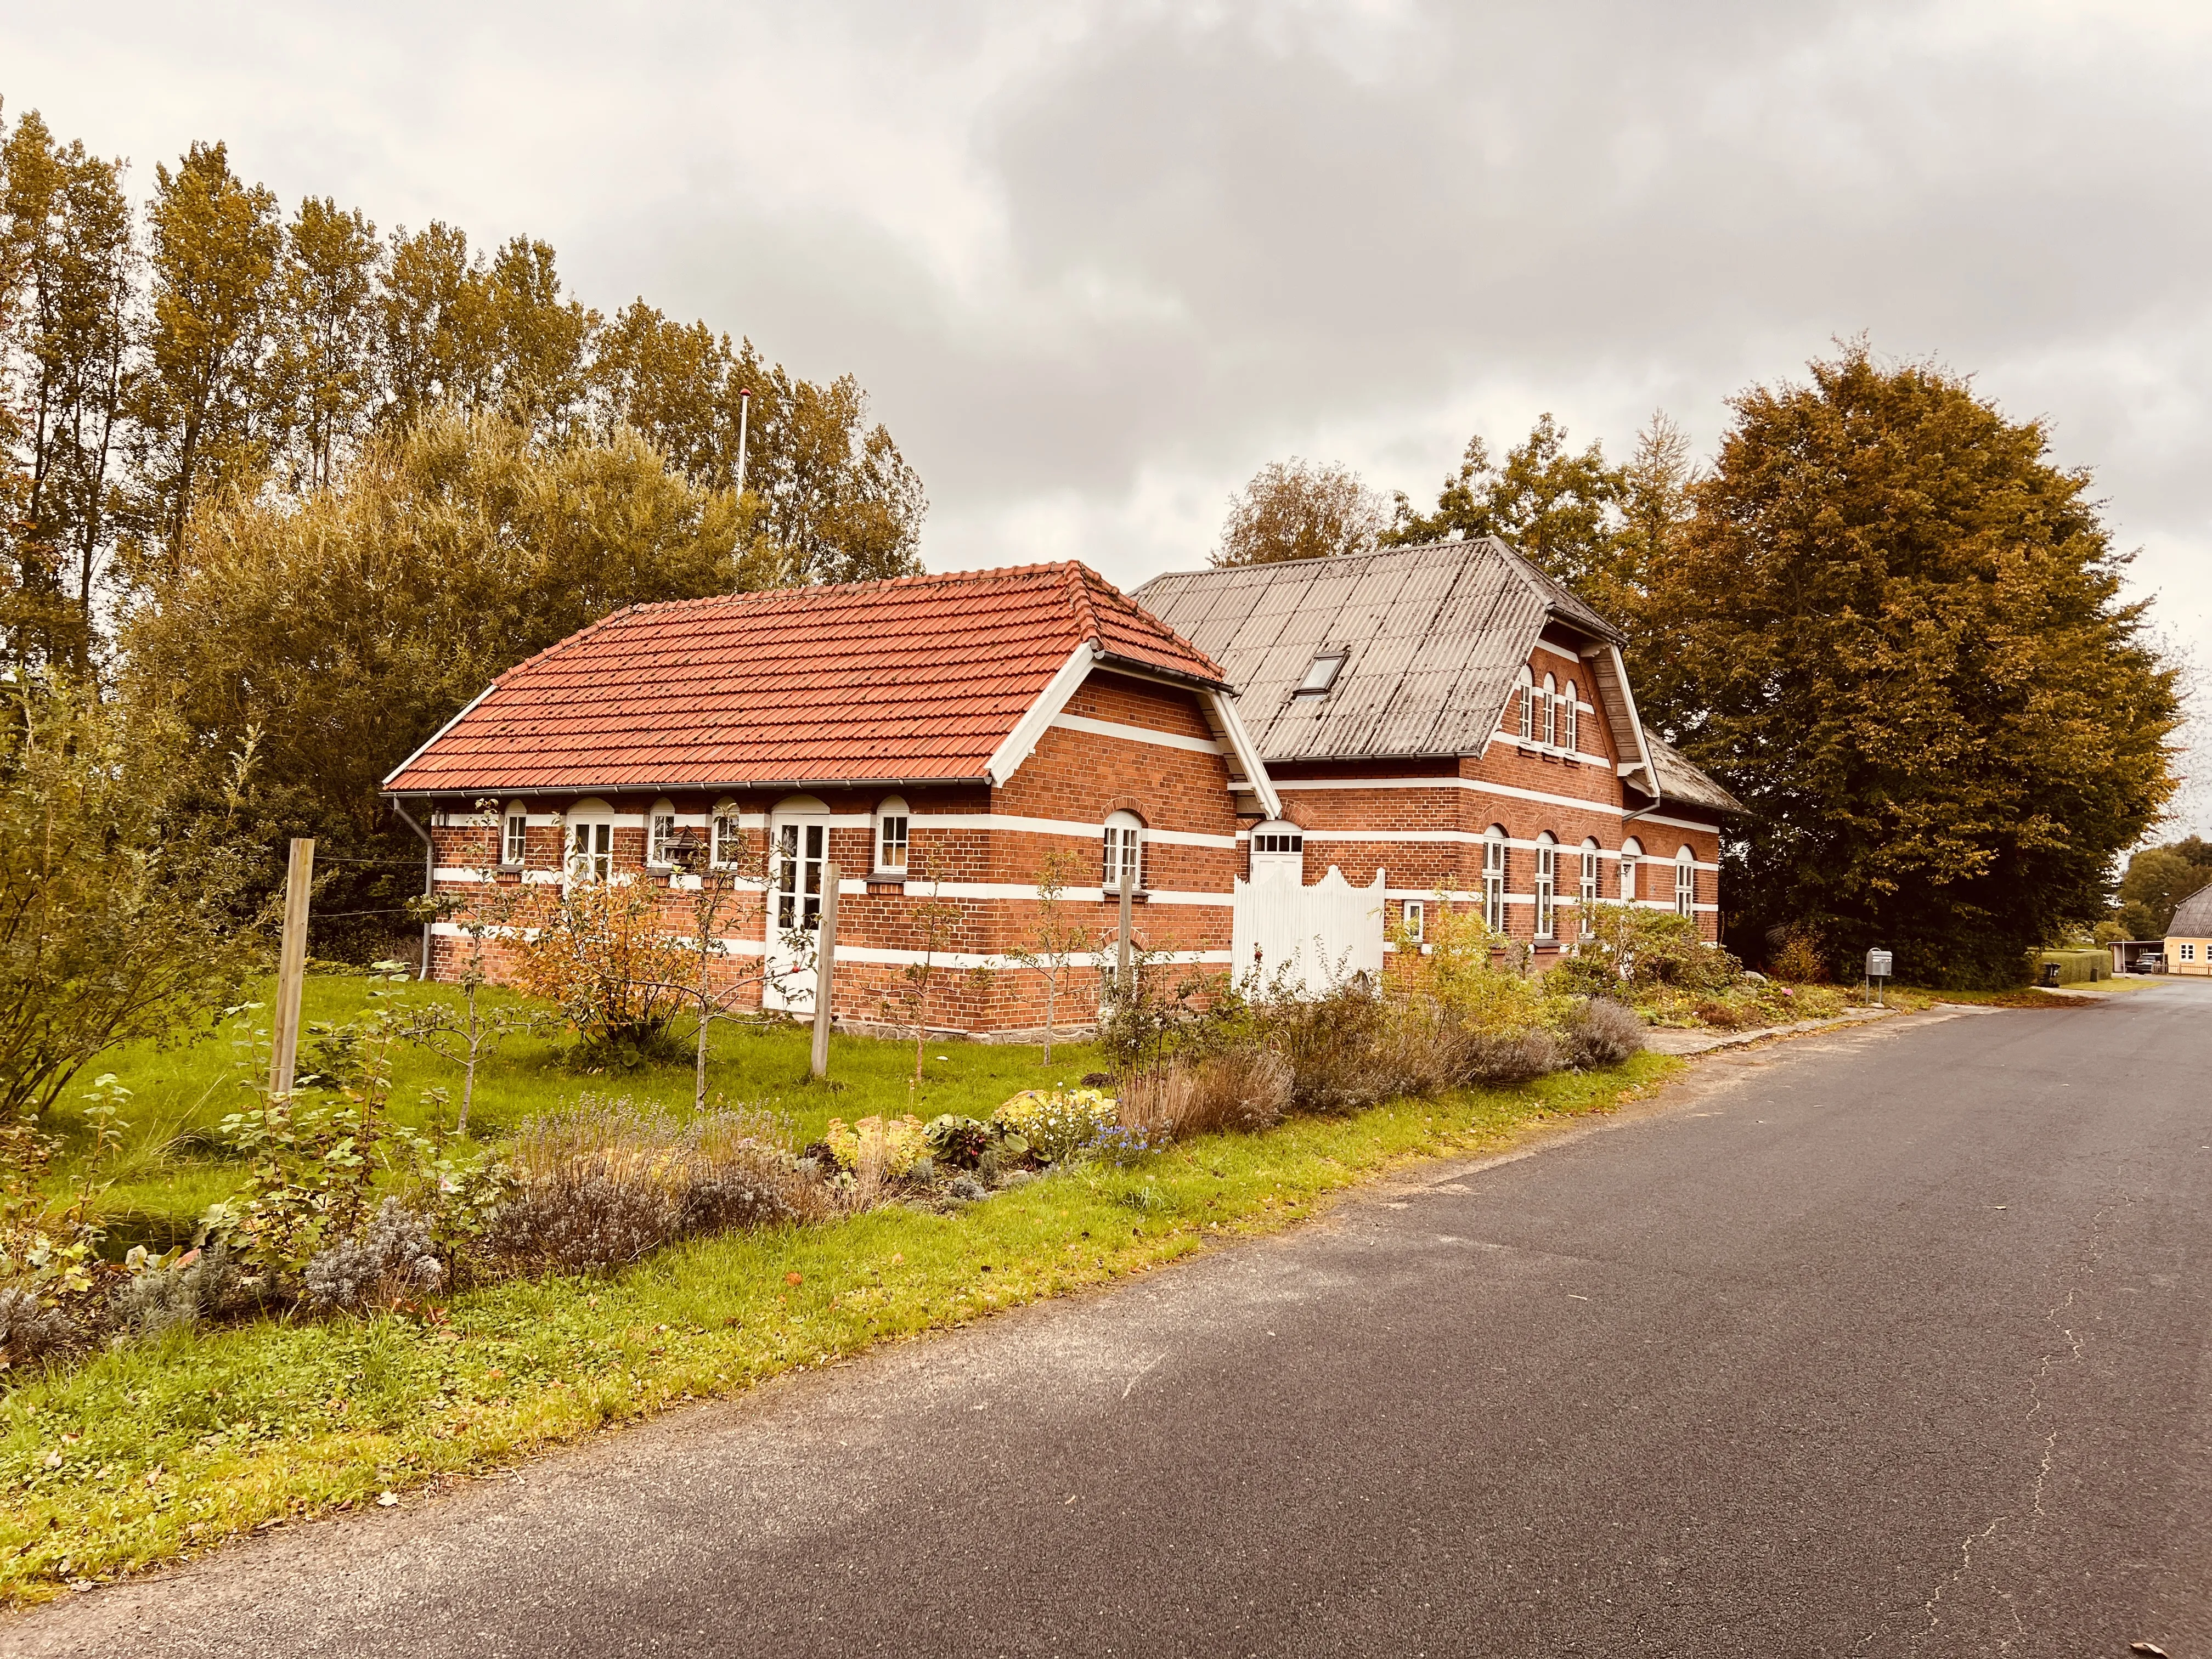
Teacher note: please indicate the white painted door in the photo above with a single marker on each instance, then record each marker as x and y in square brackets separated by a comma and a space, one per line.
[801, 848]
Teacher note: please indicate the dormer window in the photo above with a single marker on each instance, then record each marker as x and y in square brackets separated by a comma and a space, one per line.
[1321, 674]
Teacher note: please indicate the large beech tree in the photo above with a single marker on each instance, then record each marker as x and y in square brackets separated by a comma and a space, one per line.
[1895, 629]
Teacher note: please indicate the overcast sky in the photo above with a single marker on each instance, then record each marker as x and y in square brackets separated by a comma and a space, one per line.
[1097, 264]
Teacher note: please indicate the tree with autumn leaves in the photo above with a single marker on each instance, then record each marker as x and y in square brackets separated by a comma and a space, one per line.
[1894, 629]
[1893, 626]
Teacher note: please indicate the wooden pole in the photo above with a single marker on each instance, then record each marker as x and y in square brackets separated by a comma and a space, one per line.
[1121, 945]
[291, 968]
[825, 954]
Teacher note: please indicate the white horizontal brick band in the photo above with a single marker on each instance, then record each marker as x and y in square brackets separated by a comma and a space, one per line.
[1098, 728]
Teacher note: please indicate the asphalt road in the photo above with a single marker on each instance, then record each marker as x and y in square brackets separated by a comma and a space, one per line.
[1890, 1341]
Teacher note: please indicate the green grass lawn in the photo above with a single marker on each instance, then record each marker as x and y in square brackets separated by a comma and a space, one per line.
[157, 1449]
[172, 1168]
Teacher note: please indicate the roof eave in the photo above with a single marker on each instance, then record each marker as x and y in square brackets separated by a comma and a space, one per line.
[668, 787]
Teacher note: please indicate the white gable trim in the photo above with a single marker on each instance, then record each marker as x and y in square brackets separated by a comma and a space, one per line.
[1021, 743]
[1224, 709]
[439, 733]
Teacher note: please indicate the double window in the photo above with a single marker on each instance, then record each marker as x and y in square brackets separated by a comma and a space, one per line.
[1586, 890]
[1124, 853]
[1570, 709]
[1685, 882]
[1547, 886]
[1493, 878]
[514, 838]
[590, 849]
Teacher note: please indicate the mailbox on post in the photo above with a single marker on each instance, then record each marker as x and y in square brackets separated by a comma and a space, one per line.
[1877, 969]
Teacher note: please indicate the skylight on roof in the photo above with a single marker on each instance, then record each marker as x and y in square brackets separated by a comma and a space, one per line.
[1321, 675]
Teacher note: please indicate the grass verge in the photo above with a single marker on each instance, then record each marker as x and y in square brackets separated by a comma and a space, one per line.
[158, 1449]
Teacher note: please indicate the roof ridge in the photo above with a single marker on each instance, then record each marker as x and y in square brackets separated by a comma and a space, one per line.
[1086, 614]
[919, 578]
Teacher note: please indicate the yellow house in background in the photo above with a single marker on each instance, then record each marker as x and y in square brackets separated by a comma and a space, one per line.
[2189, 935]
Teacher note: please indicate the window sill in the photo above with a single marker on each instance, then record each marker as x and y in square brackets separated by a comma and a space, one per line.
[881, 885]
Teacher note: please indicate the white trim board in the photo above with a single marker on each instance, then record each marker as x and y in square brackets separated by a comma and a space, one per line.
[1099, 728]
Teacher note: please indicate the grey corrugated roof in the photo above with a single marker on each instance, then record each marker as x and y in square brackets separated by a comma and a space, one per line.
[1680, 780]
[2192, 917]
[1437, 636]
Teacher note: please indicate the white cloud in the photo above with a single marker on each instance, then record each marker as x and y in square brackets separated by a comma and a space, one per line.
[1097, 262]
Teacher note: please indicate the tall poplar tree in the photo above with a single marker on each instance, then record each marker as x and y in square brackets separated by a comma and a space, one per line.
[328, 363]
[66, 239]
[207, 408]
[1894, 629]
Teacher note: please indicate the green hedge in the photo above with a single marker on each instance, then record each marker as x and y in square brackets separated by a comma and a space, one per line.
[2075, 967]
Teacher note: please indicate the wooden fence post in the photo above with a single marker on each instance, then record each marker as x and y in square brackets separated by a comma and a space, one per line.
[825, 953]
[291, 968]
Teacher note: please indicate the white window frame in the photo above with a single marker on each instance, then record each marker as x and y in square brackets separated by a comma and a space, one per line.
[726, 833]
[513, 836]
[1413, 921]
[1571, 739]
[1586, 888]
[1551, 725]
[2188, 951]
[1277, 846]
[587, 840]
[1632, 854]
[890, 810]
[1495, 863]
[1122, 834]
[1686, 883]
[1320, 675]
[1547, 886]
[1527, 704]
[660, 830]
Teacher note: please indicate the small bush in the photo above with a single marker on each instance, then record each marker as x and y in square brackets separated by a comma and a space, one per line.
[1722, 1016]
[1505, 1059]
[29, 1331]
[1602, 1032]
[1058, 1124]
[1797, 961]
[892, 1145]
[1241, 1086]
[389, 1265]
[955, 1141]
[605, 1183]
[1329, 1042]
[199, 1284]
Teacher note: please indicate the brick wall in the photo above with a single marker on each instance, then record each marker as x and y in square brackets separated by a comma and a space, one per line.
[969, 890]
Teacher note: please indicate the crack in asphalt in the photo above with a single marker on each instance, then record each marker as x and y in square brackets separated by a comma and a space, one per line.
[2036, 1403]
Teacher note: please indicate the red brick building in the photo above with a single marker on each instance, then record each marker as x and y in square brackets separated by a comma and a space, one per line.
[1446, 715]
[933, 737]
[1450, 715]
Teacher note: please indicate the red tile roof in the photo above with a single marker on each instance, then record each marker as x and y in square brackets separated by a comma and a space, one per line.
[918, 679]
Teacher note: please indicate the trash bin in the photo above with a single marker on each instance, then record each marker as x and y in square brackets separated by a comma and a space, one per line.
[2049, 974]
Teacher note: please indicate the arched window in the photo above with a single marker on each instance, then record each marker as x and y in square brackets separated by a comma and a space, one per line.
[892, 821]
[1632, 850]
[1125, 853]
[1547, 885]
[1493, 877]
[659, 831]
[1278, 849]
[1685, 882]
[1571, 718]
[514, 835]
[1528, 726]
[727, 847]
[591, 837]
[1586, 890]
[1548, 706]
